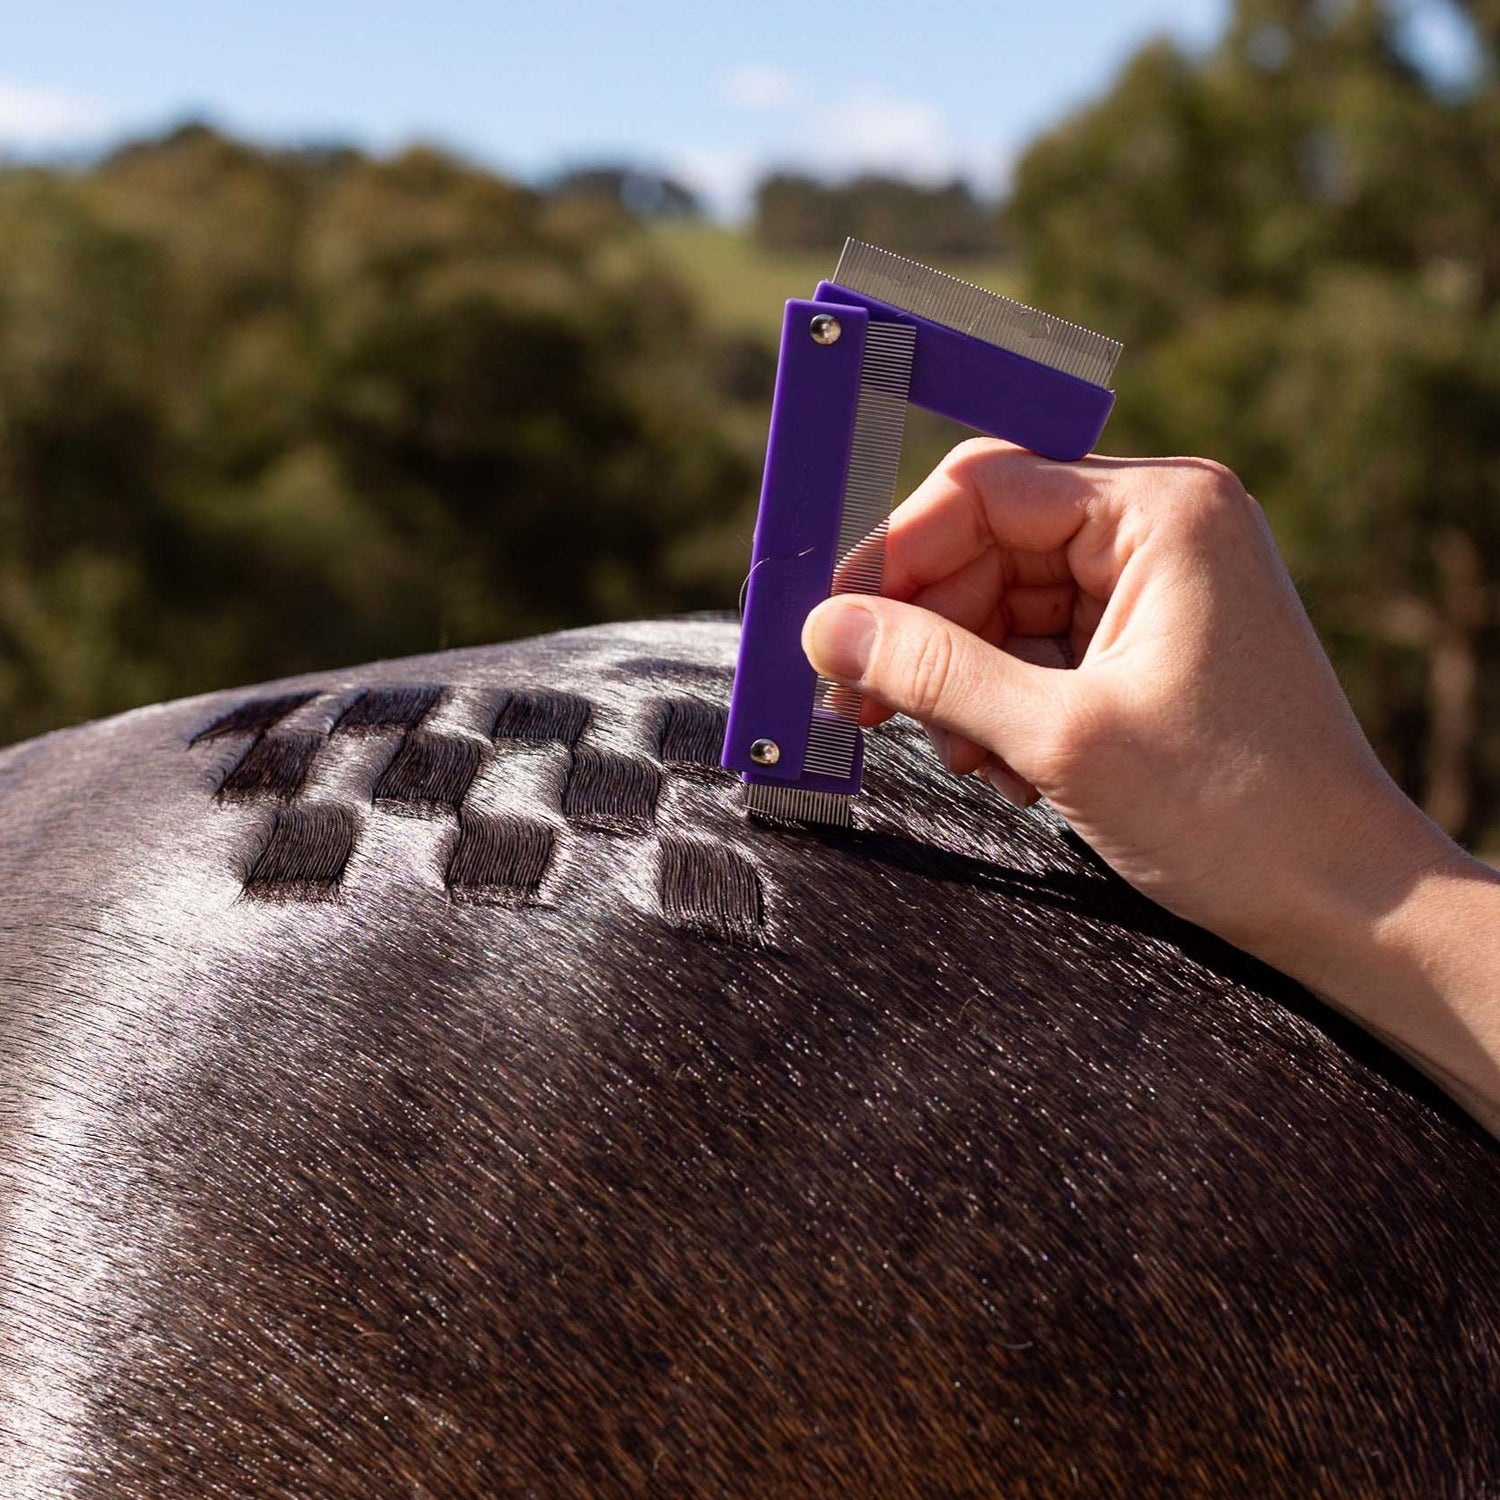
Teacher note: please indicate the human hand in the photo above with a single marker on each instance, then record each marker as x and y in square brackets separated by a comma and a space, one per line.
[1202, 745]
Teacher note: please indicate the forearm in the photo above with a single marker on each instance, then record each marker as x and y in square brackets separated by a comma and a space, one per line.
[1202, 746]
[1419, 966]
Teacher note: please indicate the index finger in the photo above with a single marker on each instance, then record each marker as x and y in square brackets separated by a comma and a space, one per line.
[987, 493]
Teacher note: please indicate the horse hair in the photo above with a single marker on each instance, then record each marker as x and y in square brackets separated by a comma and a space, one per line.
[426, 1080]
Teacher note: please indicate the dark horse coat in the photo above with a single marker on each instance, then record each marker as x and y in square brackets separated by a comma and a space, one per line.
[424, 1080]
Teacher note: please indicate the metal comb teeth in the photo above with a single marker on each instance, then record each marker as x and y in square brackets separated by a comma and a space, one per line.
[795, 804]
[879, 425]
[971, 309]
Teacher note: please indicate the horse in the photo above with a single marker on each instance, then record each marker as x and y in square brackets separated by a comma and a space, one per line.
[427, 1080]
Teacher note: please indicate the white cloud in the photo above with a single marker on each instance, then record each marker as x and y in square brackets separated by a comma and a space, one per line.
[761, 86]
[724, 178]
[33, 118]
[870, 131]
[836, 136]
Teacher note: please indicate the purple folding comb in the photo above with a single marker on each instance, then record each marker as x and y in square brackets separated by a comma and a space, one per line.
[884, 332]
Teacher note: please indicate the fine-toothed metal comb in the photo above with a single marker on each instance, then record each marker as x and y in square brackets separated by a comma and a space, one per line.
[884, 332]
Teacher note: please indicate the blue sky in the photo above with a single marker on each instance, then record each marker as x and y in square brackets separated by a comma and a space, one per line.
[712, 92]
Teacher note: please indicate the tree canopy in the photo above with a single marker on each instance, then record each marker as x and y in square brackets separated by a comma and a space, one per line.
[796, 212]
[265, 411]
[1298, 238]
[262, 411]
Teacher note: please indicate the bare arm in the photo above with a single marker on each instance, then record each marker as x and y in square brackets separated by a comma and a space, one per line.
[1424, 976]
[1202, 746]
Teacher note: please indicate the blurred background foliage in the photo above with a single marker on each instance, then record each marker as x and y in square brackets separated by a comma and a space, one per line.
[1298, 237]
[263, 411]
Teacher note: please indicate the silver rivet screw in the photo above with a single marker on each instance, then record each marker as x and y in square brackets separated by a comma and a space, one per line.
[765, 752]
[825, 329]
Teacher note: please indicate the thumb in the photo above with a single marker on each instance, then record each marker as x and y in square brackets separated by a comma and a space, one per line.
[920, 664]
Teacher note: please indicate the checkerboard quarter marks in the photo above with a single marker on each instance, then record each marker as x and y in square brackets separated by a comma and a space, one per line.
[303, 850]
[967, 1171]
[375, 708]
[253, 716]
[430, 770]
[304, 854]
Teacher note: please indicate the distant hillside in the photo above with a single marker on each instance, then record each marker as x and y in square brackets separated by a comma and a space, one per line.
[741, 285]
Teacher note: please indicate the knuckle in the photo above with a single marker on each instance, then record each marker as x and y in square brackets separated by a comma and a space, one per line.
[1083, 733]
[1209, 494]
[928, 673]
[971, 447]
[1216, 479]
[971, 451]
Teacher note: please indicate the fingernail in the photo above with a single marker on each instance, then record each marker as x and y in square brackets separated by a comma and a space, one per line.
[1010, 786]
[838, 639]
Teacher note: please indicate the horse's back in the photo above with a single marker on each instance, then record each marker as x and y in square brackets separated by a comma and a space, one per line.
[425, 1080]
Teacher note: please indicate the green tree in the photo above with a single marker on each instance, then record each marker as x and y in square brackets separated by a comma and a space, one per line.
[267, 411]
[794, 212]
[1298, 236]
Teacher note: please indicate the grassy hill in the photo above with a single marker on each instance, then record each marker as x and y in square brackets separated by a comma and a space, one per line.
[742, 285]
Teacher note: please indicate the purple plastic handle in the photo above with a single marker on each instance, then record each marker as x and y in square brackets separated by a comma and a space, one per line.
[807, 464]
[1002, 394]
[796, 544]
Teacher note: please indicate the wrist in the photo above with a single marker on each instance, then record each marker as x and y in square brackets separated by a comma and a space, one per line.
[1412, 952]
[1376, 865]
